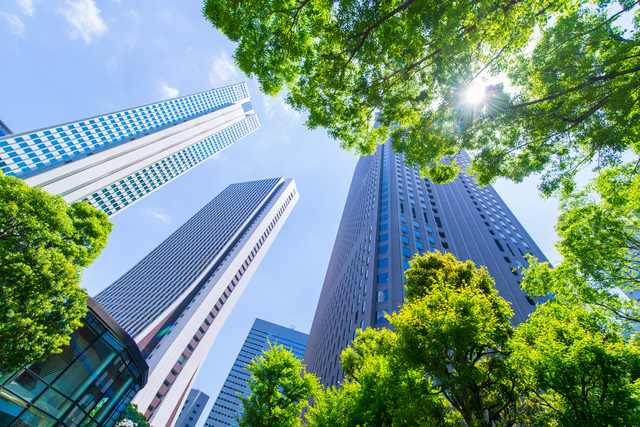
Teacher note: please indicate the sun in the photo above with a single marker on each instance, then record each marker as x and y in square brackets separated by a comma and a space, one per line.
[475, 94]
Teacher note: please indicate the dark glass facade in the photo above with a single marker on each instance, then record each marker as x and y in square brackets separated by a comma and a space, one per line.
[391, 214]
[88, 384]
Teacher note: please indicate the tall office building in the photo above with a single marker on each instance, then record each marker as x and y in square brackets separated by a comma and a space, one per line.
[113, 160]
[192, 409]
[390, 215]
[174, 302]
[261, 336]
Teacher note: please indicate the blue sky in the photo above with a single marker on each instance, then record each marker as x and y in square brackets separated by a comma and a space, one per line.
[64, 60]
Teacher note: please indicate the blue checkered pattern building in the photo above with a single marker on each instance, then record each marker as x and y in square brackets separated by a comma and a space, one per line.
[113, 160]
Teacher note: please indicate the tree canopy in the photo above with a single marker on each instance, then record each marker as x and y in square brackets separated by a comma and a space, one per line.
[453, 359]
[280, 390]
[44, 245]
[551, 106]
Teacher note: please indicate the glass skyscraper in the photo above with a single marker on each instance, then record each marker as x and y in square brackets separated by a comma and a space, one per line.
[390, 215]
[113, 160]
[262, 335]
[174, 302]
[192, 409]
[4, 129]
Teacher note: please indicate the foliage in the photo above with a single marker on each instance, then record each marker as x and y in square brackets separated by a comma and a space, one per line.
[44, 244]
[131, 418]
[569, 100]
[579, 369]
[280, 390]
[379, 389]
[599, 229]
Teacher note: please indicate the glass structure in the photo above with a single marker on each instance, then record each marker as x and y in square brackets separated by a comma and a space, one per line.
[176, 299]
[4, 129]
[113, 160]
[88, 384]
[262, 335]
[192, 409]
[391, 213]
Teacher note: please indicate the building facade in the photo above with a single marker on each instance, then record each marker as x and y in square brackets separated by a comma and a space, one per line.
[4, 129]
[113, 160]
[390, 215]
[174, 301]
[89, 383]
[261, 337]
[192, 409]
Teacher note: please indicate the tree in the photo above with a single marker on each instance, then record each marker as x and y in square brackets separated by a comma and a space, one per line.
[599, 230]
[578, 368]
[280, 390]
[132, 418]
[408, 64]
[44, 244]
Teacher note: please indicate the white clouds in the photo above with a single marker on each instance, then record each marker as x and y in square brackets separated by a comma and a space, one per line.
[168, 92]
[277, 106]
[162, 217]
[26, 6]
[84, 17]
[223, 71]
[15, 23]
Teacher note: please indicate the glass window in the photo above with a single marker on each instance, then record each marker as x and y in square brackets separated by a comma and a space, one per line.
[384, 210]
[416, 224]
[384, 227]
[384, 237]
[384, 218]
[431, 239]
[406, 252]
[429, 229]
[383, 296]
[364, 306]
[383, 204]
[419, 245]
[525, 244]
[519, 264]
[403, 219]
[405, 264]
[405, 240]
[383, 263]
[418, 234]
[380, 316]
[383, 249]
[383, 278]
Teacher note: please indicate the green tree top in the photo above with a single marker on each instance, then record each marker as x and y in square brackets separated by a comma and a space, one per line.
[44, 245]
[280, 390]
[408, 64]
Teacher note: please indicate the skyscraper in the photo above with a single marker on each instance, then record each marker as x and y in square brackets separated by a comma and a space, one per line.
[113, 160]
[4, 129]
[261, 336]
[390, 215]
[174, 302]
[192, 409]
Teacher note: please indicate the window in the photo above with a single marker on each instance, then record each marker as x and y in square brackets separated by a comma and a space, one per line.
[384, 227]
[383, 263]
[401, 208]
[383, 278]
[431, 239]
[405, 264]
[406, 252]
[384, 237]
[384, 218]
[525, 245]
[419, 245]
[429, 229]
[383, 249]
[418, 234]
[364, 306]
[403, 219]
[404, 229]
[405, 240]
[416, 224]
[380, 316]
[383, 204]
[521, 265]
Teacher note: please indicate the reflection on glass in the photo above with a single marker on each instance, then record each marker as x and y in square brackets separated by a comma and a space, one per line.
[35, 418]
[26, 385]
[10, 407]
[53, 403]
